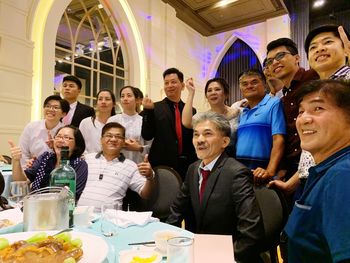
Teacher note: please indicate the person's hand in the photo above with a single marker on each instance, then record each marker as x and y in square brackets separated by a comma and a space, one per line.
[132, 145]
[145, 168]
[30, 162]
[190, 85]
[147, 103]
[285, 187]
[16, 152]
[275, 85]
[261, 176]
[49, 141]
[345, 40]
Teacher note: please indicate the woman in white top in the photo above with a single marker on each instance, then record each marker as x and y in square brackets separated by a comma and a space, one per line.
[91, 127]
[216, 92]
[135, 147]
[37, 136]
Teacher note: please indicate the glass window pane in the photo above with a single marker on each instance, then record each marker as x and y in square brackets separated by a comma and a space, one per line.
[106, 82]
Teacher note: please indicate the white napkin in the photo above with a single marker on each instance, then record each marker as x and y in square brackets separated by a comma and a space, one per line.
[124, 219]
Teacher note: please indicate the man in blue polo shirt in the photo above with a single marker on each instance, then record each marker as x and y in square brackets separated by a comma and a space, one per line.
[318, 228]
[261, 130]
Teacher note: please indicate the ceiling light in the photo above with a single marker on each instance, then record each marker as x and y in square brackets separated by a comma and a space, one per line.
[100, 6]
[79, 49]
[67, 58]
[319, 3]
[224, 3]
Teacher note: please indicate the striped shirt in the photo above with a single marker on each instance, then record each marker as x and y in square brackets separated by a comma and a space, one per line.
[108, 180]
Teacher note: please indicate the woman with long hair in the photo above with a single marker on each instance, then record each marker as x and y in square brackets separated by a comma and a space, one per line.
[91, 127]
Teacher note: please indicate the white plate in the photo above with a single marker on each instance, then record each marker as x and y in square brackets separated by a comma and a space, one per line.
[126, 256]
[14, 215]
[91, 244]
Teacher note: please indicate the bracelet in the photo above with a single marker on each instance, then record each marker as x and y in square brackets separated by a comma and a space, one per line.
[151, 178]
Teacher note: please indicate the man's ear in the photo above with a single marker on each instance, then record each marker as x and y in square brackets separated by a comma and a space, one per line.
[182, 85]
[226, 141]
[297, 59]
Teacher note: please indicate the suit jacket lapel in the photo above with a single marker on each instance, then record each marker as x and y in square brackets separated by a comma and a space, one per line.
[214, 175]
[76, 112]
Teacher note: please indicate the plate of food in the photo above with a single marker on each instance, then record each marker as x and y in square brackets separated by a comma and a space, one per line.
[10, 218]
[139, 256]
[39, 247]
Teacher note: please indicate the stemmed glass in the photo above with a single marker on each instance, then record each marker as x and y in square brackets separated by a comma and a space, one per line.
[108, 224]
[18, 190]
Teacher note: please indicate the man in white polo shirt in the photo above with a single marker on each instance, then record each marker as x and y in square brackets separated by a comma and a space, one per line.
[111, 174]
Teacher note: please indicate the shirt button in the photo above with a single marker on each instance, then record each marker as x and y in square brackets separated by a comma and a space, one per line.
[295, 134]
[295, 150]
[295, 119]
[292, 103]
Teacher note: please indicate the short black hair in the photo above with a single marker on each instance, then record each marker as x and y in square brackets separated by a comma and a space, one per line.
[253, 72]
[179, 74]
[74, 79]
[79, 141]
[336, 90]
[63, 103]
[287, 42]
[321, 29]
[111, 125]
[222, 82]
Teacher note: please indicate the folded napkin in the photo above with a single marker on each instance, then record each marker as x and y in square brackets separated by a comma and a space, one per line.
[124, 219]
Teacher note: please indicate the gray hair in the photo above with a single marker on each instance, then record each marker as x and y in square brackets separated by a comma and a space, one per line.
[220, 122]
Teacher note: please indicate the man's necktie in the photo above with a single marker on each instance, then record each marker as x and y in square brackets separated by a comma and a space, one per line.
[205, 174]
[178, 127]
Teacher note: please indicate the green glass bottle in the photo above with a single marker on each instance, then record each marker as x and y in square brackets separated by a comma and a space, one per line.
[65, 176]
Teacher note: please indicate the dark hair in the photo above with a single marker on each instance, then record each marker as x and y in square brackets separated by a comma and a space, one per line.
[74, 79]
[113, 99]
[79, 141]
[111, 125]
[179, 74]
[321, 29]
[253, 72]
[287, 42]
[140, 93]
[223, 83]
[63, 103]
[336, 90]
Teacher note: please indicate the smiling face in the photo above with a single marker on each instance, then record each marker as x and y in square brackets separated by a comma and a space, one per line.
[215, 94]
[322, 126]
[285, 68]
[65, 137]
[173, 87]
[112, 141]
[53, 111]
[326, 54]
[208, 141]
[252, 87]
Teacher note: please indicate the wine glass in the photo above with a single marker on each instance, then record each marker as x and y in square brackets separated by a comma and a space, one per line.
[18, 190]
[108, 224]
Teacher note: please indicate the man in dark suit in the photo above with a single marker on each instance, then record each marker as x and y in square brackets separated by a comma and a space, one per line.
[71, 88]
[217, 196]
[172, 144]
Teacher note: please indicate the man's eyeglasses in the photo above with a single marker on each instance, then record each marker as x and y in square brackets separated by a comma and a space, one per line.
[110, 136]
[278, 57]
[52, 107]
[65, 138]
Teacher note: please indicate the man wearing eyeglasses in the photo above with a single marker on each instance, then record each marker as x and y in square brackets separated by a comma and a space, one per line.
[283, 63]
[261, 130]
[111, 174]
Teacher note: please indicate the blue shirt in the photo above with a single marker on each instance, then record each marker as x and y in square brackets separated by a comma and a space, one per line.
[255, 131]
[318, 228]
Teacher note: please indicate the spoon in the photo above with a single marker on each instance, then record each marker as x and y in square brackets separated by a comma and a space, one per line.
[62, 231]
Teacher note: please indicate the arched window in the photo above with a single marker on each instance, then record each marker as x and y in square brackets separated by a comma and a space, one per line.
[88, 47]
[238, 58]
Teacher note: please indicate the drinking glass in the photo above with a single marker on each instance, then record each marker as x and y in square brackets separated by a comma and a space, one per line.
[180, 250]
[18, 190]
[108, 218]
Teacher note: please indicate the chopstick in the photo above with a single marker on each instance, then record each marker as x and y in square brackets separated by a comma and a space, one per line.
[142, 243]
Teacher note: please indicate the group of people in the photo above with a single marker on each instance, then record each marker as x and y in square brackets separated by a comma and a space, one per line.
[296, 131]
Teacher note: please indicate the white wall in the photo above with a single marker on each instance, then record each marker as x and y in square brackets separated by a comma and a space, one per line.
[166, 42]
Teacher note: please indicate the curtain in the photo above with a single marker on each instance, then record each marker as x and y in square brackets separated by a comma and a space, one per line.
[238, 58]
